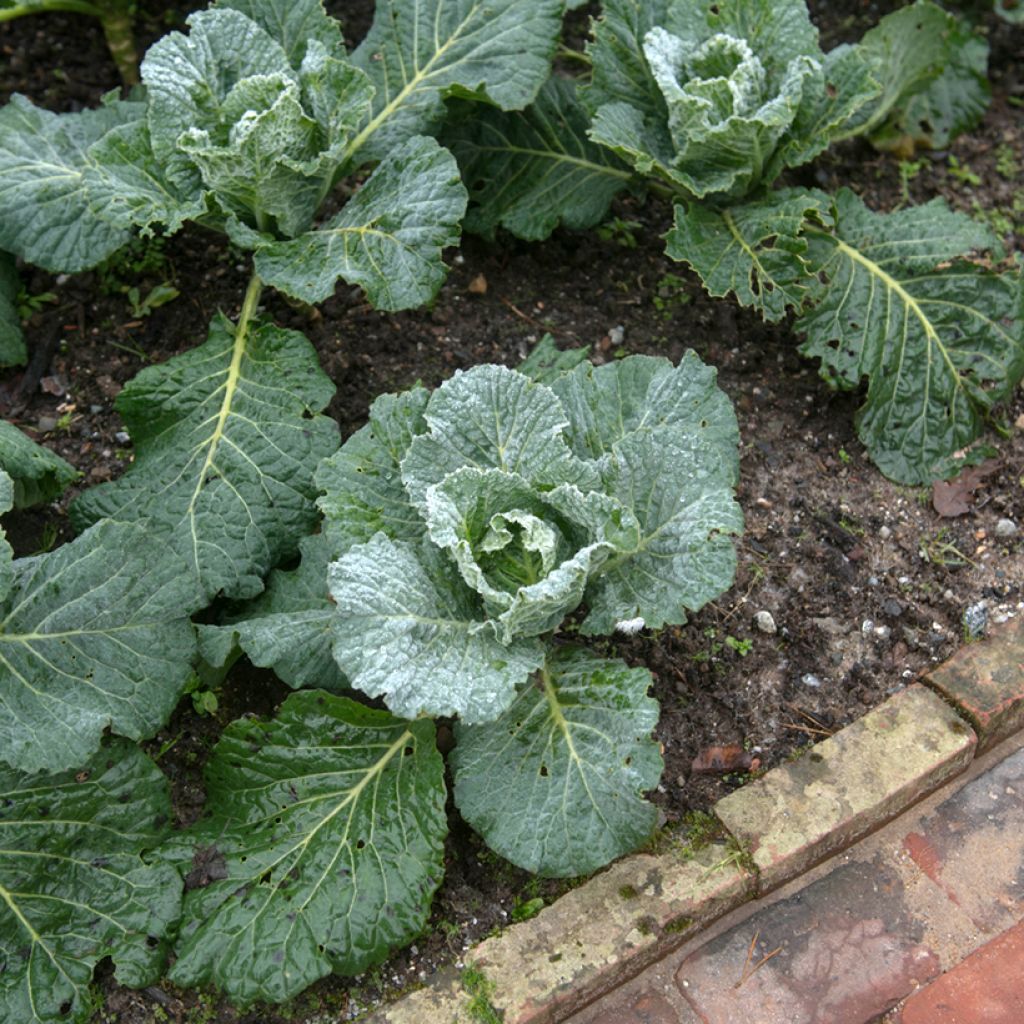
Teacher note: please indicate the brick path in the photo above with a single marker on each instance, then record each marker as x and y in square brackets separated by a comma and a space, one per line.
[939, 889]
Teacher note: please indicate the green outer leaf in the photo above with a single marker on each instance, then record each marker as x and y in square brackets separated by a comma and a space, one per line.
[12, 341]
[910, 47]
[292, 23]
[46, 211]
[362, 482]
[94, 634]
[951, 104]
[388, 238]
[327, 829]
[126, 182]
[410, 630]
[529, 171]
[289, 627]
[680, 488]
[1010, 10]
[74, 887]
[416, 53]
[939, 339]
[641, 393]
[226, 441]
[554, 784]
[754, 250]
[492, 417]
[620, 71]
[38, 473]
[547, 362]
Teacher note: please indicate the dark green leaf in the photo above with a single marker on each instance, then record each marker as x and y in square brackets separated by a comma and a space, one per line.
[12, 341]
[38, 473]
[322, 848]
[227, 440]
[75, 886]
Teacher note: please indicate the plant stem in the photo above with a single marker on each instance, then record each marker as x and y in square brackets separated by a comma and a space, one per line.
[116, 20]
[249, 304]
[74, 6]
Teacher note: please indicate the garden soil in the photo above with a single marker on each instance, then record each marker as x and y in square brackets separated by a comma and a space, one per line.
[848, 586]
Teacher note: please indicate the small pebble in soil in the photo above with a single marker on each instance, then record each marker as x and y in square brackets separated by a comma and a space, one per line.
[1006, 528]
[765, 621]
[122, 437]
[46, 424]
[616, 335]
[976, 619]
[885, 533]
[811, 680]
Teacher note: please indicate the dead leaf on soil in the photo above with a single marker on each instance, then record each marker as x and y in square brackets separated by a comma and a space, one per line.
[478, 286]
[718, 760]
[951, 498]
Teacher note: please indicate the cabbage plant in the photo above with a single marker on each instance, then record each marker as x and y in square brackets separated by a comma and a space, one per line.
[706, 104]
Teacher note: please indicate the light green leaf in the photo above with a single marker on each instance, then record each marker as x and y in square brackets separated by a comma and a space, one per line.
[292, 23]
[940, 339]
[227, 439]
[289, 627]
[606, 404]
[555, 785]
[417, 53]
[949, 105]
[93, 634]
[189, 78]
[12, 341]
[362, 482]
[1010, 10]
[325, 843]
[75, 886]
[6, 551]
[527, 553]
[46, 211]
[753, 250]
[529, 171]
[388, 239]
[38, 473]
[680, 488]
[492, 417]
[410, 630]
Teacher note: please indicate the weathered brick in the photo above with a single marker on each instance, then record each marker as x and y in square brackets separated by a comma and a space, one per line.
[847, 785]
[986, 681]
[841, 951]
[606, 931]
[986, 988]
[972, 847]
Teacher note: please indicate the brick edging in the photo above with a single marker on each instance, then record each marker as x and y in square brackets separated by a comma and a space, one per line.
[641, 908]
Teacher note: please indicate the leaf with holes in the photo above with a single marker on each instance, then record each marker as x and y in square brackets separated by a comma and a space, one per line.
[939, 337]
[76, 886]
[326, 829]
[555, 785]
[754, 251]
[388, 239]
[93, 635]
[227, 438]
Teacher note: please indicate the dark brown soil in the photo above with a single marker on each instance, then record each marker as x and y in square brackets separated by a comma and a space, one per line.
[866, 584]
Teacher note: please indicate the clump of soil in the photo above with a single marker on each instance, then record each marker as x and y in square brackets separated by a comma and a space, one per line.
[848, 586]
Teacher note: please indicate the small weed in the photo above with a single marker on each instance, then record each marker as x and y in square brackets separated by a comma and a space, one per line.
[939, 550]
[962, 172]
[156, 297]
[203, 700]
[29, 304]
[669, 295]
[844, 456]
[621, 232]
[1007, 165]
[909, 169]
[741, 647]
[523, 910]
